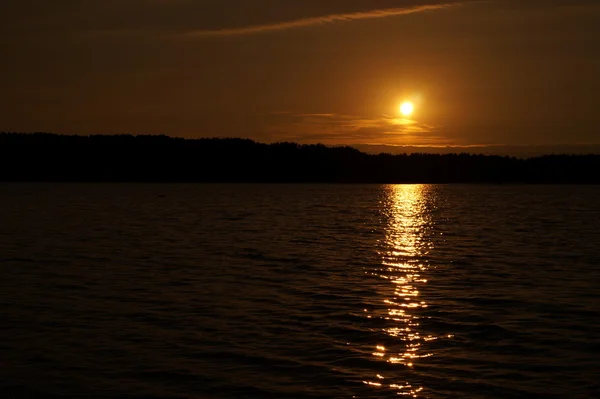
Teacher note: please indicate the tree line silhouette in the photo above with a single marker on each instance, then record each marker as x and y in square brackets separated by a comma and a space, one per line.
[145, 158]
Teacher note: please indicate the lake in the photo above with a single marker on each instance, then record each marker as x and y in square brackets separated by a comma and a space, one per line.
[299, 291]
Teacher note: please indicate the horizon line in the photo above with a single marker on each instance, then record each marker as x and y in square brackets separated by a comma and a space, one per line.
[258, 141]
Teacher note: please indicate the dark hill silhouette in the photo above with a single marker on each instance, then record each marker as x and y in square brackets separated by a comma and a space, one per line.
[127, 158]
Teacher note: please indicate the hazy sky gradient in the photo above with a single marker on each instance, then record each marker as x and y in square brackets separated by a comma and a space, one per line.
[332, 71]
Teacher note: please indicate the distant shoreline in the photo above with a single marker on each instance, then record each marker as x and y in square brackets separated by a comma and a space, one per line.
[43, 157]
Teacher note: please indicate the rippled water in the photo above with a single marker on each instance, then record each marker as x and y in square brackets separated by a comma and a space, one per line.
[300, 291]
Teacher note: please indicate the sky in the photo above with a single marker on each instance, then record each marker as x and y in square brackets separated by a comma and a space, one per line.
[479, 73]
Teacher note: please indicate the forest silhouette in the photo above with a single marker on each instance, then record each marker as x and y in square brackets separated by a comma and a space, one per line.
[46, 157]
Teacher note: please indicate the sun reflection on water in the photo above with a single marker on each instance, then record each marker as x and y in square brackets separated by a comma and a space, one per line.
[403, 254]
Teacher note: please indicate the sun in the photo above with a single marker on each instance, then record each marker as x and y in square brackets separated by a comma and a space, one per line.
[407, 108]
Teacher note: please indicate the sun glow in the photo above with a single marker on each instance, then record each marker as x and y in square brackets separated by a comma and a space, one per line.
[407, 108]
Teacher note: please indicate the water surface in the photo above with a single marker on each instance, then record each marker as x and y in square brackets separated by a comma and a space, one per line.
[300, 291]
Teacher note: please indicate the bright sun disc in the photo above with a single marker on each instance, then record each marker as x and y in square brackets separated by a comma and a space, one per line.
[407, 108]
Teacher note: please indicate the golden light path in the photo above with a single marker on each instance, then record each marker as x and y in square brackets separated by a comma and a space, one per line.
[406, 243]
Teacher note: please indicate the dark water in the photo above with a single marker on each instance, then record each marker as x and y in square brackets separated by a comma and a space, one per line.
[305, 291]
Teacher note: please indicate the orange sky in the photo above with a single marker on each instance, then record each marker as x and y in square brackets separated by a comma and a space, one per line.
[479, 72]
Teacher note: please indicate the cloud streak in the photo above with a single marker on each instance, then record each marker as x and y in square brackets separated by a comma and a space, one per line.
[320, 20]
[348, 129]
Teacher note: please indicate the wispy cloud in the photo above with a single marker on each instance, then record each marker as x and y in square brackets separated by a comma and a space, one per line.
[320, 20]
[336, 129]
